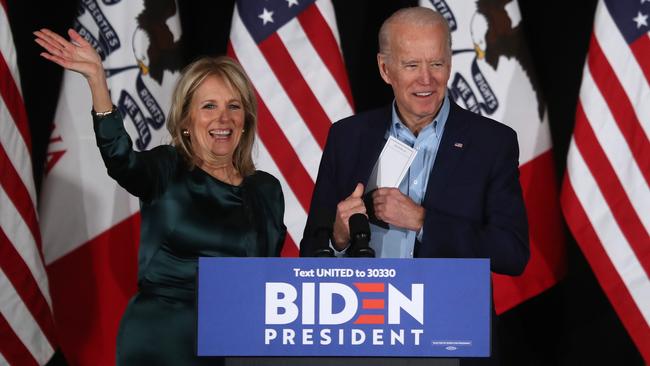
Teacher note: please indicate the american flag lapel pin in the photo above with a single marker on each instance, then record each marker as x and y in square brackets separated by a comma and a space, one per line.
[458, 145]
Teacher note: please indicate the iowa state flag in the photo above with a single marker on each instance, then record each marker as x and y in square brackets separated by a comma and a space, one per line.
[492, 75]
[90, 225]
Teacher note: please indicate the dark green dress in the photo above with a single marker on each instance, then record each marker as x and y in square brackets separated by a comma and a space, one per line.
[185, 214]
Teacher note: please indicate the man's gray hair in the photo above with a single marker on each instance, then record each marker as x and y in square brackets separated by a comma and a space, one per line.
[417, 16]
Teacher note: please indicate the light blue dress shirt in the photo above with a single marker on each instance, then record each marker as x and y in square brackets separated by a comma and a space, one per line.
[397, 242]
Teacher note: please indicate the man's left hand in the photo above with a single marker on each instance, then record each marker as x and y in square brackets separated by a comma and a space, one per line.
[395, 208]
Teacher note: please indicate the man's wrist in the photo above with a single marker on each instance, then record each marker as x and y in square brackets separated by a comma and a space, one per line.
[339, 243]
[420, 218]
[339, 248]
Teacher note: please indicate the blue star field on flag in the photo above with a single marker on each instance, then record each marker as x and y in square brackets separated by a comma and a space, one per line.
[264, 17]
[629, 17]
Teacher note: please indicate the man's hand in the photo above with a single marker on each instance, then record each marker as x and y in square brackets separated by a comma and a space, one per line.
[346, 208]
[395, 208]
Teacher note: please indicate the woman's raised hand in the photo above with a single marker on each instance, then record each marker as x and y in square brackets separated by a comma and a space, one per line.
[76, 55]
[80, 56]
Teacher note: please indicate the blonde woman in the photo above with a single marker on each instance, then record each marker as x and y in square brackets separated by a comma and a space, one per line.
[200, 196]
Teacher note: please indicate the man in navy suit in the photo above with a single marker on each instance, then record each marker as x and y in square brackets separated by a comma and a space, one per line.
[461, 197]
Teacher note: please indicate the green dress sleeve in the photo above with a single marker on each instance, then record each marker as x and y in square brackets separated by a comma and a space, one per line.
[267, 200]
[143, 174]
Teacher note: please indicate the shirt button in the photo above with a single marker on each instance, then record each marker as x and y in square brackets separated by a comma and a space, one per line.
[415, 182]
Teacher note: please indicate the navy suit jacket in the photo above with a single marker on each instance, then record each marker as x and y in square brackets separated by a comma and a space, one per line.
[473, 201]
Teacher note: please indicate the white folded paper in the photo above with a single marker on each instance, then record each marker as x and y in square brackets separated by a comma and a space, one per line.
[391, 167]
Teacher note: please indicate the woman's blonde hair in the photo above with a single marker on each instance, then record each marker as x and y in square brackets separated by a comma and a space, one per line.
[230, 72]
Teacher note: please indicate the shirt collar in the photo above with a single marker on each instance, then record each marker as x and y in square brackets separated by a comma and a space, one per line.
[440, 119]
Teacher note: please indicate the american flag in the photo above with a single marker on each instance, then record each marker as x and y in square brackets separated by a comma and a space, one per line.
[290, 50]
[26, 326]
[605, 195]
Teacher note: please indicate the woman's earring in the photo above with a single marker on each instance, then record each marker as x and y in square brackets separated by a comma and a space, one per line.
[243, 130]
[186, 133]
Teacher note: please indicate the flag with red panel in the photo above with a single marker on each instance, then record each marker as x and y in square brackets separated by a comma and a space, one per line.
[91, 225]
[492, 75]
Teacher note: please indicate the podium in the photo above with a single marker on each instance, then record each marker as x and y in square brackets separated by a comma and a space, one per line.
[330, 311]
[339, 361]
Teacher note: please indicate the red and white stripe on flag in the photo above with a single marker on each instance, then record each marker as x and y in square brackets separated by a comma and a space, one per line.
[291, 52]
[26, 326]
[605, 193]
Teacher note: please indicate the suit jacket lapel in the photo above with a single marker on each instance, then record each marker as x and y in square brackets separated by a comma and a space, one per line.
[371, 144]
[452, 147]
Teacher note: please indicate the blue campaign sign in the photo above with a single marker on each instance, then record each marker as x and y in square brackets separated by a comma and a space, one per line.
[344, 307]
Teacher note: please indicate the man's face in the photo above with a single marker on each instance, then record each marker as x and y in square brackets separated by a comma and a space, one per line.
[417, 68]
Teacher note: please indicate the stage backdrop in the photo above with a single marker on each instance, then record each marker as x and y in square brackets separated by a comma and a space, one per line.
[562, 325]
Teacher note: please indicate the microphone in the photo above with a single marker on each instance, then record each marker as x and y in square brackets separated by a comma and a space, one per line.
[323, 227]
[360, 237]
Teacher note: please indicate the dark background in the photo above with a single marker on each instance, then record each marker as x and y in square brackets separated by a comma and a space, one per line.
[570, 324]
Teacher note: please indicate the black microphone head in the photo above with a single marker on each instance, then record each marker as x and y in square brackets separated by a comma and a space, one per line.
[359, 225]
[360, 236]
